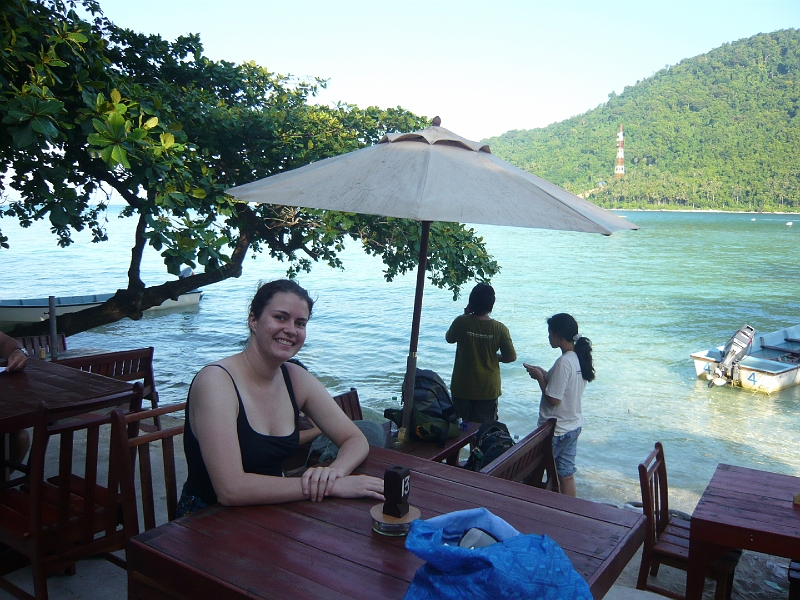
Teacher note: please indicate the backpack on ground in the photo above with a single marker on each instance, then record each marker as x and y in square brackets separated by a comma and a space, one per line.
[492, 440]
[433, 417]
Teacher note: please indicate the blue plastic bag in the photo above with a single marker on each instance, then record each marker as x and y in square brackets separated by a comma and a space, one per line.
[518, 566]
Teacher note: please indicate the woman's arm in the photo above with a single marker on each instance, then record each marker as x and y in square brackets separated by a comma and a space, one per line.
[334, 480]
[540, 375]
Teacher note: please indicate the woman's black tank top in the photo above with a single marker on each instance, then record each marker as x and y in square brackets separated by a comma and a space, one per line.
[262, 454]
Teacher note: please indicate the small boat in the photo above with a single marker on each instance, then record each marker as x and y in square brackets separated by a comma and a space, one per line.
[764, 363]
[33, 310]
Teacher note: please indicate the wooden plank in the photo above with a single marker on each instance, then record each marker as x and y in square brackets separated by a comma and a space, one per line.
[380, 459]
[266, 561]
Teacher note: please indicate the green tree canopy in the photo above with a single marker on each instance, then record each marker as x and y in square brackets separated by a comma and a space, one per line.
[720, 131]
[89, 108]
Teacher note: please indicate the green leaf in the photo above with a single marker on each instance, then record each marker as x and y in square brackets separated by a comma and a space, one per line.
[116, 97]
[23, 136]
[150, 123]
[120, 155]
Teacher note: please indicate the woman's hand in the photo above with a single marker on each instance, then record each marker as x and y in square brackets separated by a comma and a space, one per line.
[358, 486]
[318, 482]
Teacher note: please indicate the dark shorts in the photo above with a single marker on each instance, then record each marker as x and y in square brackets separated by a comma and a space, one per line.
[565, 447]
[476, 411]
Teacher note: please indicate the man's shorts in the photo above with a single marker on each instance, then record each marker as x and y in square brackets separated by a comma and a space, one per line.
[564, 449]
[476, 411]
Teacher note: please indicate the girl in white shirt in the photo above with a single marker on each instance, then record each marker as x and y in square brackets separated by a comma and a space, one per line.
[562, 388]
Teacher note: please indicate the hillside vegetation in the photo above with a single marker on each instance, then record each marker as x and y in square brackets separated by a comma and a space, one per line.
[717, 131]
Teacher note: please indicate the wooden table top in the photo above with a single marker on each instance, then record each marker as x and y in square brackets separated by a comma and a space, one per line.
[328, 549]
[752, 509]
[56, 385]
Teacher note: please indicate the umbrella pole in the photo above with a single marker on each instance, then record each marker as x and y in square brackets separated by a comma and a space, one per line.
[411, 363]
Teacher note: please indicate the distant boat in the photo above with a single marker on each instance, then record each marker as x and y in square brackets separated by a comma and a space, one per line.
[765, 363]
[33, 310]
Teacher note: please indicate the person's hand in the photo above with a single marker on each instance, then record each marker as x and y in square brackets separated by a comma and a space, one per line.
[535, 372]
[358, 486]
[317, 482]
[16, 361]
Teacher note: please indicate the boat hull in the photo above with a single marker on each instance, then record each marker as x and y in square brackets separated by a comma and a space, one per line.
[771, 365]
[34, 310]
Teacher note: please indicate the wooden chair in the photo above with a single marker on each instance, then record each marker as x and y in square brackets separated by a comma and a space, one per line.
[141, 442]
[127, 365]
[32, 343]
[58, 521]
[667, 537]
[529, 460]
[349, 403]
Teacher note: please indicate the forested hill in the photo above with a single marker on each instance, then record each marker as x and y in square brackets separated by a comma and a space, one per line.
[717, 131]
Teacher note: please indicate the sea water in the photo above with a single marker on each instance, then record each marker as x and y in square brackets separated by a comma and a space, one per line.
[684, 282]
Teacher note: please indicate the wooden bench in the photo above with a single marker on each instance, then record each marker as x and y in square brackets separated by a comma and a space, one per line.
[33, 343]
[530, 460]
[126, 365]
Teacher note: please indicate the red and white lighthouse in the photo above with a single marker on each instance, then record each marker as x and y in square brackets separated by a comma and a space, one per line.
[619, 170]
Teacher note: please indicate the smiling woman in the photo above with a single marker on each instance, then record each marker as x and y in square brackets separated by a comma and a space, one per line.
[242, 417]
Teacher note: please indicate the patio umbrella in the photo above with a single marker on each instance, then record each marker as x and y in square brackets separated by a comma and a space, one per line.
[430, 175]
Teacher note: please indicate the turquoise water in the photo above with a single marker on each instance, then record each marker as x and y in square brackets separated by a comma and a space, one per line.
[647, 299]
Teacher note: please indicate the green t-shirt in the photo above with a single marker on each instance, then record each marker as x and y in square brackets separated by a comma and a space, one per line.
[476, 372]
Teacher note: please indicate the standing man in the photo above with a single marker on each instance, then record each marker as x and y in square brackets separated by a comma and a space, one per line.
[481, 345]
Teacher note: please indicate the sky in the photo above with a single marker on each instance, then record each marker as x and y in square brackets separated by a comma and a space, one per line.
[484, 67]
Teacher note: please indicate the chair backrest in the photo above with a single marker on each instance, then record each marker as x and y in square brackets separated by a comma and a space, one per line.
[126, 365]
[32, 343]
[350, 404]
[58, 520]
[529, 460]
[655, 494]
[141, 441]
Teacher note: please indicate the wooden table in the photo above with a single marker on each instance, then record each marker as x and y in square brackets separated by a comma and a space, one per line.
[56, 385]
[431, 451]
[328, 549]
[742, 508]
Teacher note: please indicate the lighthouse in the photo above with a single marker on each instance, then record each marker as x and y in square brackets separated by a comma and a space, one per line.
[619, 170]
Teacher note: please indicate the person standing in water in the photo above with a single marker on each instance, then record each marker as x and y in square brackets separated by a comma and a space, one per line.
[562, 388]
[475, 383]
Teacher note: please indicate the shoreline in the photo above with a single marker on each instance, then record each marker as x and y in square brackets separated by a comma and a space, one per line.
[703, 210]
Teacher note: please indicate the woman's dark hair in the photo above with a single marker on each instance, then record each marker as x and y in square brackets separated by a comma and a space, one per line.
[267, 290]
[481, 299]
[566, 327]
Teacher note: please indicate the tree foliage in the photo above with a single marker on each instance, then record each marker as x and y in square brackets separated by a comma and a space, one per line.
[717, 131]
[90, 109]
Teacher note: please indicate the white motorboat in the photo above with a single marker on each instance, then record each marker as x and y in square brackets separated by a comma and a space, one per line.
[765, 363]
[33, 310]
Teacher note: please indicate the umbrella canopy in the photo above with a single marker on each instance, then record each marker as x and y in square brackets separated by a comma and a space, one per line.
[430, 175]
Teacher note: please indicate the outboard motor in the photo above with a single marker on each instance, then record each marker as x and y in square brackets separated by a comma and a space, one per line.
[735, 350]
